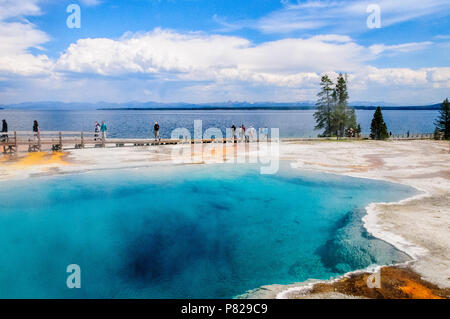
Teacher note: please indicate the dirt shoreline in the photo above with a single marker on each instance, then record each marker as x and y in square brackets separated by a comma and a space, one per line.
[420, 226]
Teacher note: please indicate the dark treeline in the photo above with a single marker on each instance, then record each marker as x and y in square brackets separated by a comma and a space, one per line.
[270, 108]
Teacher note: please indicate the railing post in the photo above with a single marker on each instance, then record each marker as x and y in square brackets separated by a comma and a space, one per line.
[39, 140]
[82, 140]
[60, 141]
[15, 140]
[103, 139]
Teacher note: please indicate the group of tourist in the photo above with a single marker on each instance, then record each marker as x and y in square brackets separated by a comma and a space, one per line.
[100, 130]
[5, 129]
[242, 133]
[4, 135]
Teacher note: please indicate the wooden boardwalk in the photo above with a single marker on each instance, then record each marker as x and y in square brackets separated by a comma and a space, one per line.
[11, 142]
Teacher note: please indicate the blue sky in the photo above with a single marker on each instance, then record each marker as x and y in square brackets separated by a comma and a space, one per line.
[207, 50]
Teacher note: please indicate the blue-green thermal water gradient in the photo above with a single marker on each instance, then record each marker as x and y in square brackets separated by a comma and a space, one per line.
[185, 232]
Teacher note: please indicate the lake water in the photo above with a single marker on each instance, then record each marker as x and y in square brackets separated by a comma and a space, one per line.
[139, 124]
[185, 232]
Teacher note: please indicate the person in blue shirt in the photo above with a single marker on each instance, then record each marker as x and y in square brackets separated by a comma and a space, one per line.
[104, 129]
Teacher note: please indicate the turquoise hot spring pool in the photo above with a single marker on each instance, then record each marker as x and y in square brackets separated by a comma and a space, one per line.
[212, 231]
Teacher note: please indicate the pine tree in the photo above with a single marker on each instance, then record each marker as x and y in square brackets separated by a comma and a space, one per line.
[343, 118]
[437, 134]
[350, 121]
[323, 115]
[443, 121]
[378, 129]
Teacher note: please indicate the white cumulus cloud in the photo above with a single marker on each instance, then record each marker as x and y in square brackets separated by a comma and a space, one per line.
[195, 66]
[198, 56]
[18, 36]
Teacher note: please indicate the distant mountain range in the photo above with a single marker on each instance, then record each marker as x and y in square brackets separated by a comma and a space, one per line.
[306, 105]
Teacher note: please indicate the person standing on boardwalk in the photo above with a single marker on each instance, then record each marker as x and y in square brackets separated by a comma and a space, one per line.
[247, 132]
[241, 132]
[4, 128]
[244, 132]
[156, 131]
[4, 137]
[104, 129]
[233, 131]
[36, 128]
[96, 131]
[251, 133]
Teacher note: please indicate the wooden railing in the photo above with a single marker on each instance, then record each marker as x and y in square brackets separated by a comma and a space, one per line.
[57, 140]
[11, 141]
[35, 141]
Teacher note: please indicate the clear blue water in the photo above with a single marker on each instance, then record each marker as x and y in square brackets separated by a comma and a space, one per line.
[185, 232]
[139, 124]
